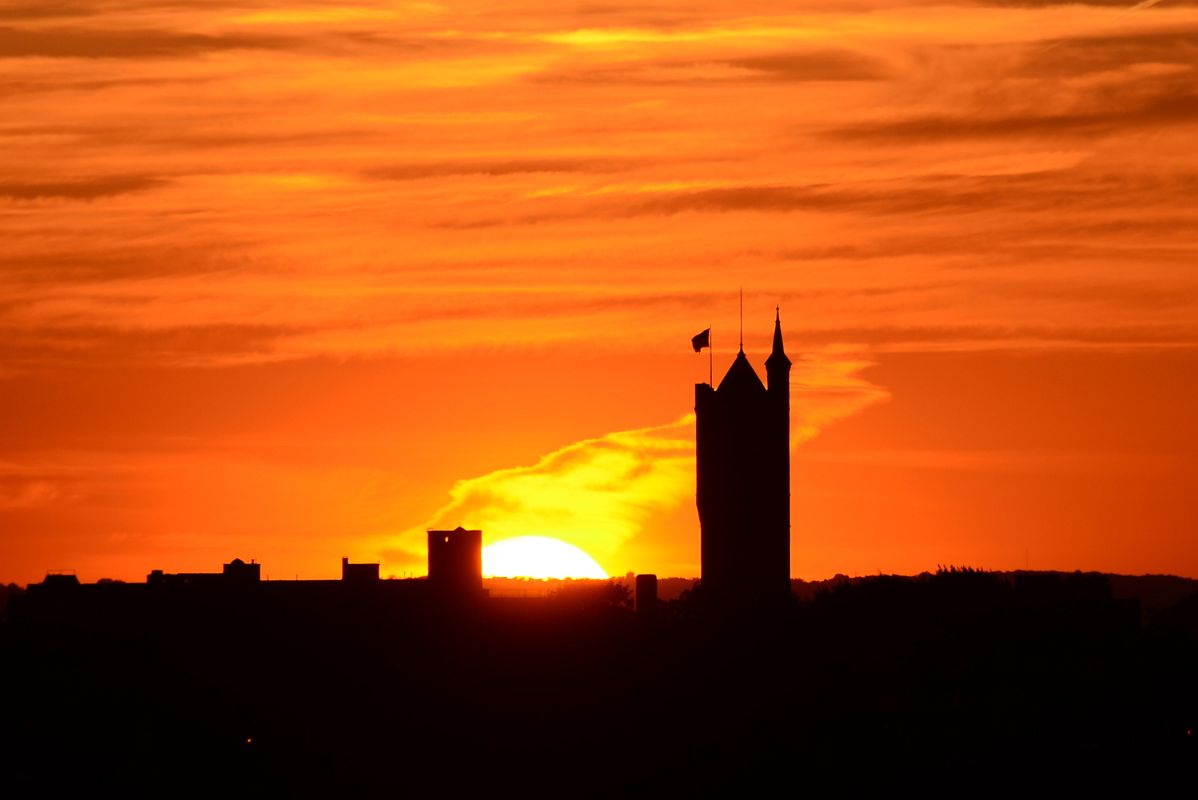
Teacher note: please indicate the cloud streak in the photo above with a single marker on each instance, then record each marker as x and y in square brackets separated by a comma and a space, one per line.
[83, 189]
[133, 44]
[595, 494]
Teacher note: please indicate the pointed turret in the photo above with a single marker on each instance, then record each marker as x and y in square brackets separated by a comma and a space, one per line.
[777, 374]
[777, 366]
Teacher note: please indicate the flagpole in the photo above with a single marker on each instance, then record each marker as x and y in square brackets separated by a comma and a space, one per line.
[710, 357]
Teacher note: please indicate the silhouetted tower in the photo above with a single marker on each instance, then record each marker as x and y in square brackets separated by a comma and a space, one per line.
[455, 560]
[743, 478]
[646, 596]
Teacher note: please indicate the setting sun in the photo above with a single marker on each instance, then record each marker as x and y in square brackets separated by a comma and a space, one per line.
[538, 557]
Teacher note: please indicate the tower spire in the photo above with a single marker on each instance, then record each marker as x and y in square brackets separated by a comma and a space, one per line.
[777, 354]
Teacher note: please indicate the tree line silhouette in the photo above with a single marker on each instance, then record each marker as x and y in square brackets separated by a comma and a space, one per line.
[366, 689]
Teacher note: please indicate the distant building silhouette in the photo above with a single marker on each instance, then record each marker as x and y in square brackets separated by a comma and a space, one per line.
[238, 570]
[60, 580]
[359, 573]
[455, 560]
[234, 572]
[743, 478]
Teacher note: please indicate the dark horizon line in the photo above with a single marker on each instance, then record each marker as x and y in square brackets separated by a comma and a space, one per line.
[529, 578]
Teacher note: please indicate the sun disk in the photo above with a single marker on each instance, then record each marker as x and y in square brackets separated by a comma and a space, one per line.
[538, 557]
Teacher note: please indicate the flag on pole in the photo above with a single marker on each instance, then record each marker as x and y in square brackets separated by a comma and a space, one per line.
[701, 340]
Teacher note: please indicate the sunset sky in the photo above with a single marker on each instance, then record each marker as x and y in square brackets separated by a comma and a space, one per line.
[293, 281]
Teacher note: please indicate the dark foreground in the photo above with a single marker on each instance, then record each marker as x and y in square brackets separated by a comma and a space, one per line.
[360, 691]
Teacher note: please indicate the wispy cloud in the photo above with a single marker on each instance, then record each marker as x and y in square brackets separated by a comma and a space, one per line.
[1118, 110]
[124, 44]
[82, 189]
[812, 65]
[595, 494]
[414, 171]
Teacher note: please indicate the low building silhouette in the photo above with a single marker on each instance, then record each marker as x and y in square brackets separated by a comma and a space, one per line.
[60, 580]
[236, 572]
[241, 572]
[358, 573]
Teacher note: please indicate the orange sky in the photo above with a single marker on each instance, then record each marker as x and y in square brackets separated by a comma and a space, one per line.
[297, 281]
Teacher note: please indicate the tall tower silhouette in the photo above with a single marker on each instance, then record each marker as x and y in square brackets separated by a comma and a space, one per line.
[742, 478]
